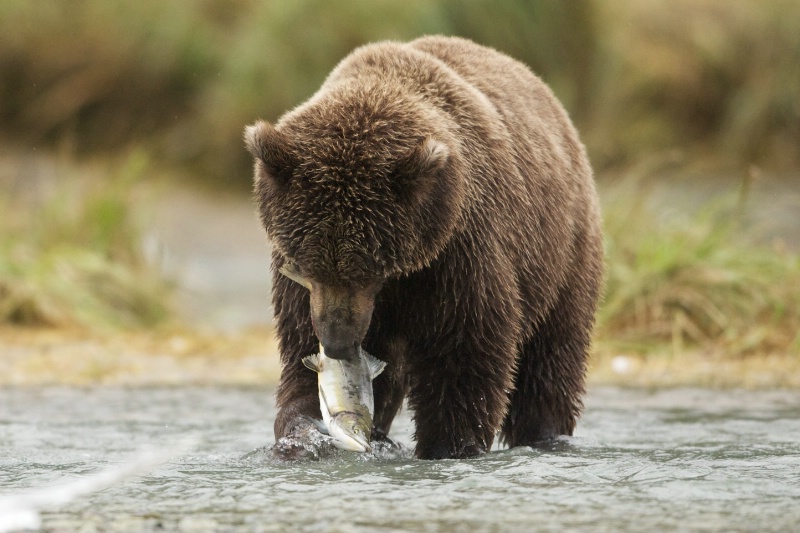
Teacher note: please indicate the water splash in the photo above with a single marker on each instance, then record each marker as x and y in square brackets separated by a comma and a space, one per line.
[312, 445]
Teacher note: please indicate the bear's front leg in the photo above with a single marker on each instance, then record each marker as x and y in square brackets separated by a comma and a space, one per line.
[459, 403]
[297, 397]
[297, 433]
[296, 415]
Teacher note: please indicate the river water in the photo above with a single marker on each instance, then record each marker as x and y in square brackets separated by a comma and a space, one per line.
[670, 460]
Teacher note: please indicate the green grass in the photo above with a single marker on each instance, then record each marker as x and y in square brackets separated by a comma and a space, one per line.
[695, 282]
[75, 258]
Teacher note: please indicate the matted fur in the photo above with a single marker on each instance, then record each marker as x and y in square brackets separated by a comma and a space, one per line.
[448, 177]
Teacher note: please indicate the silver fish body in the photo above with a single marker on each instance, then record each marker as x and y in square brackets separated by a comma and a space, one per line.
[345, 397]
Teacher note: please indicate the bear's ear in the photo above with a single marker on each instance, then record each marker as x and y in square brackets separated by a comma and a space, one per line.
[272, 149]
[415, 169]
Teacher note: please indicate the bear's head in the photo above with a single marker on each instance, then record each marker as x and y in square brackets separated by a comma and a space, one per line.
[355, 187]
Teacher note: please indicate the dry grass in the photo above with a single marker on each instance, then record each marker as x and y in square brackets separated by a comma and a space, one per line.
[695, 283]
[694, 369]
[74, 255]
[73, 356]
[40, 356]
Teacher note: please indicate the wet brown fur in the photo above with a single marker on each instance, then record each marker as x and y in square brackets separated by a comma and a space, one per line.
[448, 176]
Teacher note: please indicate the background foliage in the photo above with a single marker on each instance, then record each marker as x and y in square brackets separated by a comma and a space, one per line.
[713, 77]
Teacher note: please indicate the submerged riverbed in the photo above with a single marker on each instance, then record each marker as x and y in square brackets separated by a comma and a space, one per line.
[683, 459]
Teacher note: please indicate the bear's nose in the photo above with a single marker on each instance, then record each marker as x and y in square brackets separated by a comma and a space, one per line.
[338, 336]
[345, 351]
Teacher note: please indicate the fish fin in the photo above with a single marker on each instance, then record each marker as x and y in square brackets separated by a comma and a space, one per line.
[319, 424]
[374, 364]
[321, 427]
[312, 362]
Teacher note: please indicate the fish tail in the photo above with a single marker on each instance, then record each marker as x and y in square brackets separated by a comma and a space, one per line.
[374, 364]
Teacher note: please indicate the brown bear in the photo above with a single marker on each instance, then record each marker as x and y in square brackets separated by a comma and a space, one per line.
[437, 204]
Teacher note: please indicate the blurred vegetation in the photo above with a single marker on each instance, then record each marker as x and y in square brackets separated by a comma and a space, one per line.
[709, 77]
[76, 258]
[717, 78]
[695, 282]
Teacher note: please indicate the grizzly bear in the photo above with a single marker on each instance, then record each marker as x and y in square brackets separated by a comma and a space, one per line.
[436, 204]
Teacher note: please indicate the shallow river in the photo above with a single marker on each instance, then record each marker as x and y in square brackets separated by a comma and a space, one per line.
[678, 460]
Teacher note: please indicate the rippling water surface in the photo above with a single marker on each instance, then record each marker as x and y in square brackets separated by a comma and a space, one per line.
[687, 460]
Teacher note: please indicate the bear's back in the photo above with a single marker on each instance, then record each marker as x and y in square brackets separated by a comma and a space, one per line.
[531, 114]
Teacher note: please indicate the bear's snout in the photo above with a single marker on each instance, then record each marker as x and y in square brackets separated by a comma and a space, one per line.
[341, 318]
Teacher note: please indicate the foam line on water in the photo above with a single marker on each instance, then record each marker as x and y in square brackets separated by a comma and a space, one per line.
[21, 511]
